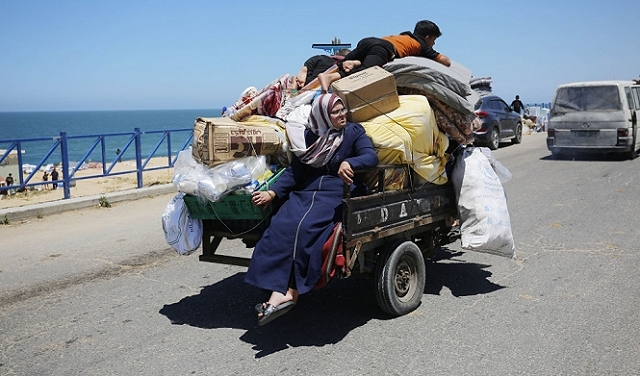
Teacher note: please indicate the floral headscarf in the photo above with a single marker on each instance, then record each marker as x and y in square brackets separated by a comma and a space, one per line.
[327, 144]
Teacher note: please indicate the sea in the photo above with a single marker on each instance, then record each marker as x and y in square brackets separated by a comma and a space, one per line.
[48, 125]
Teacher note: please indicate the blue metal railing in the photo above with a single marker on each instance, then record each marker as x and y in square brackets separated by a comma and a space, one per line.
[61, 144]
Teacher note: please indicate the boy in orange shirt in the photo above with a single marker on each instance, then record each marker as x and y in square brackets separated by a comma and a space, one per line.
[374, 51]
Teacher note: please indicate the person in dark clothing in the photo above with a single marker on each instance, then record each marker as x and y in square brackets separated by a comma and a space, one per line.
[54, 177]
[45, 178]
[9, 180]
[374, 51]
[517, 105]
[287, 259]
[318, 64]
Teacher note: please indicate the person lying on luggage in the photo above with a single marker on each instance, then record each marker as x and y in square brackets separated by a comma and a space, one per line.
[374, 51]
[318, 64]
[287, 259]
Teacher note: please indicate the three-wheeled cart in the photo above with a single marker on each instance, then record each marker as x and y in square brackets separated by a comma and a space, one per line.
[386, 234]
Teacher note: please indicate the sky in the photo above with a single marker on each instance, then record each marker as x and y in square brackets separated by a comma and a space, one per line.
[68, 55]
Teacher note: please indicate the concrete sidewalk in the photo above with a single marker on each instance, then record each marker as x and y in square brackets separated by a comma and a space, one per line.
[53, 207]
[69, 242]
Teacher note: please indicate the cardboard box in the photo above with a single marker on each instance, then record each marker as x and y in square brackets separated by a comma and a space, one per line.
[368, 93]
[218, 140]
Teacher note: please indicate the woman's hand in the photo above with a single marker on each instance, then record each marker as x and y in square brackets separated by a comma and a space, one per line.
[345, 172]
[260, 198]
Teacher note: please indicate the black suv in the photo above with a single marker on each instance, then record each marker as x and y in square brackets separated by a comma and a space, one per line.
[499, 122]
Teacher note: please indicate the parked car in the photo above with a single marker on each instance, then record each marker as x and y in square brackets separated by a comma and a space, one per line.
[499, 122]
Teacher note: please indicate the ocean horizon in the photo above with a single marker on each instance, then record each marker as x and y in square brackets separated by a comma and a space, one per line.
[49, 125]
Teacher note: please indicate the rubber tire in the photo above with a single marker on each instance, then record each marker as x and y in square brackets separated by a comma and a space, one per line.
[518, 137]
[401, 275]
[494, 139]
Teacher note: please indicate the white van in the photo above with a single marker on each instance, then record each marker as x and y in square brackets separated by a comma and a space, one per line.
[595, 117]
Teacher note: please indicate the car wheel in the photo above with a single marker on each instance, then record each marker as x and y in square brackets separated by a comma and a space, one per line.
[518, 137]
[494, 138]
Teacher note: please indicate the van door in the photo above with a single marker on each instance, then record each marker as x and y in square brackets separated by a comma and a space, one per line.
[635, 102]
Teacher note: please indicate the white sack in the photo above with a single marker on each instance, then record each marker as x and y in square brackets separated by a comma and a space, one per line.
[182, 232]
[482, 203]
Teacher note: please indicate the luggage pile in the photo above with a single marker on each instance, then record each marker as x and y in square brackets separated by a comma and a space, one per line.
[411, 108]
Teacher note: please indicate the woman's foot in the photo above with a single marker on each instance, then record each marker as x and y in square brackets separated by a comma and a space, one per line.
[278, 305]
[278, 298]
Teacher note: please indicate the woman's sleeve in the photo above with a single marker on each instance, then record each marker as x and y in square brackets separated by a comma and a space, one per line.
[364, 154]
[289, 178]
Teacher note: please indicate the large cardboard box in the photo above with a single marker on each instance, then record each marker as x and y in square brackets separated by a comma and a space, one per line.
[219, 140]
[368, 93]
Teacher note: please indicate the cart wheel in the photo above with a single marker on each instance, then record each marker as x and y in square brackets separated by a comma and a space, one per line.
[400, 279]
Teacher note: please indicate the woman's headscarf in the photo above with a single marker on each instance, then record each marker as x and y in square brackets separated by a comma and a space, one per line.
[327, 144]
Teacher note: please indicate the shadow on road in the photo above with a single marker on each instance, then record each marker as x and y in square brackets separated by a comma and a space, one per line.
[461, 278]
[321, 317]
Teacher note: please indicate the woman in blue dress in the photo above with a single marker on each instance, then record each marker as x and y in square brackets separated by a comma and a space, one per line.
[288, 258]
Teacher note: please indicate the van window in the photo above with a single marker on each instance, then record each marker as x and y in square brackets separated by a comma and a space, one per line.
[587, 98]
[630, 103]
[636, 97]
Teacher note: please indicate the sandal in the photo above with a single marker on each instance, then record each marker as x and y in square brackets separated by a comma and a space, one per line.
[270, 313]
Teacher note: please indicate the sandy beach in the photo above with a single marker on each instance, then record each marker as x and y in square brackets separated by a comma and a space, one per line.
[93, 186]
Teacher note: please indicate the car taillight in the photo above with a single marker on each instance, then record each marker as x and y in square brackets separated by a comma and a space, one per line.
[551, 132]
[623, 132]
[482, 114]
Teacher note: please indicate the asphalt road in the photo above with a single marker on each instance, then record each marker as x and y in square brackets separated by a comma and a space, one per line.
[97, 291]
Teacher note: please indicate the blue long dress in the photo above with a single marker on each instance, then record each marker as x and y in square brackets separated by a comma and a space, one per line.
[304, 222]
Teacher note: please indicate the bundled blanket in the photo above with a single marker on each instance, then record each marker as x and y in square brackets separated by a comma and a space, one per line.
[409, 135]
[447, 89]
[266, 102]
[450, 85]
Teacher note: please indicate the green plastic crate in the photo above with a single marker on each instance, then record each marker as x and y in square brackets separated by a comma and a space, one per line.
[229, 207]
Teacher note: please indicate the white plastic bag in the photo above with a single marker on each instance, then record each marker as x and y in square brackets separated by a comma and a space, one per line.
[182, 232]
[187, 173]
[213, 183]
[484, 216]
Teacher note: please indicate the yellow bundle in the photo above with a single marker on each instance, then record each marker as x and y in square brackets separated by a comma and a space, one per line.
[264, 121]
[410, 135]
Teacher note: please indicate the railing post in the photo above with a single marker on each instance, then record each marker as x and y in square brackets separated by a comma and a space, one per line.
[20, 173]
[168, 133]
[66, 186]
[103, 154]
[138, 157]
